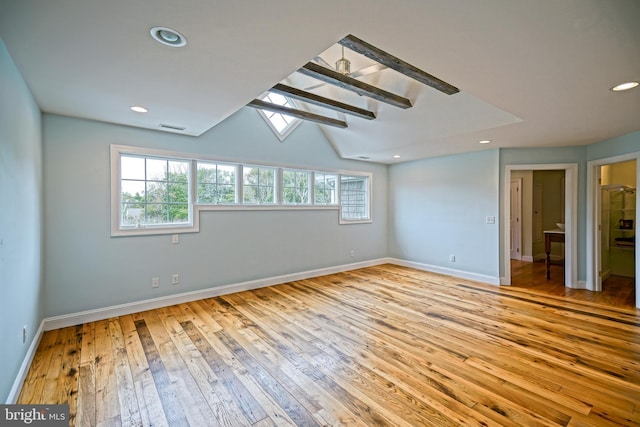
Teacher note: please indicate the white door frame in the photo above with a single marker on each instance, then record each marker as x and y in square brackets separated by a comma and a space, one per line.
[571, 219]
[517, 204]
[593, 219]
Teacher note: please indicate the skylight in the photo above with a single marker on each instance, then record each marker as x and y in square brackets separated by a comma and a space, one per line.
[281, 124]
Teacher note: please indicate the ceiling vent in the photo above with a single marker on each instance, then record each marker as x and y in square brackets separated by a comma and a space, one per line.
[171, 127]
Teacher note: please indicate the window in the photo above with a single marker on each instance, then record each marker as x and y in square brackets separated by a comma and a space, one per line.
[354, 198]
[163, 192]
[325, 188]
[154, 191]
[258, 185]
[281, 124]
[295, 187]
[216, 183]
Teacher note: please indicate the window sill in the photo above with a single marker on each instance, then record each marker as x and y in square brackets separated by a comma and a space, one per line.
[155, 230]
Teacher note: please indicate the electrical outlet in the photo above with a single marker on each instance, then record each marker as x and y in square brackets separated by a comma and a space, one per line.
[175, 239]
[175, 279]
[155, 282]
[24, 334]
[452, 258]
[352, 253]
[491, 220]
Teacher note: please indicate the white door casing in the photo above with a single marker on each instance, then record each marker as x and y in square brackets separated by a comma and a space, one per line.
[516, 219]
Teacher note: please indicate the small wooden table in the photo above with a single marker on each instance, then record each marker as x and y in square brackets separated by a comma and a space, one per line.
[551, 236]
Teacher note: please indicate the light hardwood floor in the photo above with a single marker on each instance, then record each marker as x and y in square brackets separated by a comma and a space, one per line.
[617, 291]
[381, 346]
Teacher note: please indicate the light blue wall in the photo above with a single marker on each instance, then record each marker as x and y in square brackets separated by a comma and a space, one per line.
[87, 269]
[20, 220]
[614, 147]
[438, 207]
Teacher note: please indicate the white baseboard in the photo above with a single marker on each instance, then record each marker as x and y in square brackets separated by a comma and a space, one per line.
[71, 319]
[527, 258]
[449, 271]
[580, 284]
[14, 393]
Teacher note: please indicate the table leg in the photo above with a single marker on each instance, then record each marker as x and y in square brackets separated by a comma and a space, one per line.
[547, 249]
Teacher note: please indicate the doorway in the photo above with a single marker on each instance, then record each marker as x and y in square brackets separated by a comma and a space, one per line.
[611, 222]
[568, 202]
[615, 223]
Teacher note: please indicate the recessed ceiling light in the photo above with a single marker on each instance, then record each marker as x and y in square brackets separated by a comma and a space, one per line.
[397, 156]
[484, 141]
[168, 37]
[624, 86]
[138, 109]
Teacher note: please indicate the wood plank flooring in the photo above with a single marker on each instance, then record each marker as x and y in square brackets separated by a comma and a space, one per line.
[381, 346]
[617, 291]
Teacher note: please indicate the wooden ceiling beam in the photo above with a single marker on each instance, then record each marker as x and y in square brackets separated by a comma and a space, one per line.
[304, 115]
[312, 98]
[360, 46]
[333, 77]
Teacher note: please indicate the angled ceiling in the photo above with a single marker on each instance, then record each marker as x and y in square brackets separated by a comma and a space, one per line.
[530, 73]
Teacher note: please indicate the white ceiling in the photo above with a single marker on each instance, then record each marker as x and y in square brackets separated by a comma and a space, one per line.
[532, 73]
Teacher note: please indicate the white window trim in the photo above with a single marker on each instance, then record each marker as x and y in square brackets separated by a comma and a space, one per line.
[195, 208]
[369, 220]
[281, 136]
[116, 229]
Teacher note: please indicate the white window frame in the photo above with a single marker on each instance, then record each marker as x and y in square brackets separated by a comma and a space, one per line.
[237, 191]
[310, 185]
[195, 208]
[336, 189]
[369, 196]
[117, 229]
[276, 189]
[290, 127]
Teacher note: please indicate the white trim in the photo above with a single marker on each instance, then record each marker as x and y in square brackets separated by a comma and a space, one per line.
[66, 320]
[448, 271]
[72, 319]
[14, 393]
[527, 258]
[196, 208]
[114, 169]
[367, 220]
[593, 218]
[290, 127]
[571, 218]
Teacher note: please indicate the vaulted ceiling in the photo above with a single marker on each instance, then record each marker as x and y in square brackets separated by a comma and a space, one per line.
[530, 73]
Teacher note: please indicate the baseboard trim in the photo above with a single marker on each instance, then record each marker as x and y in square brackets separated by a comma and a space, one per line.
[527, 258]
[14, 393]
[448, 271]
[71, 319]
[580, 284]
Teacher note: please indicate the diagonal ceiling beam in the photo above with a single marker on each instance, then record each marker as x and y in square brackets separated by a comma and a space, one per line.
[333, 77]
[304, 115]
[360, 46]
[312, 98]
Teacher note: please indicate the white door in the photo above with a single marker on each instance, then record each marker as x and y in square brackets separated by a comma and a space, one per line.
[516, 219]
